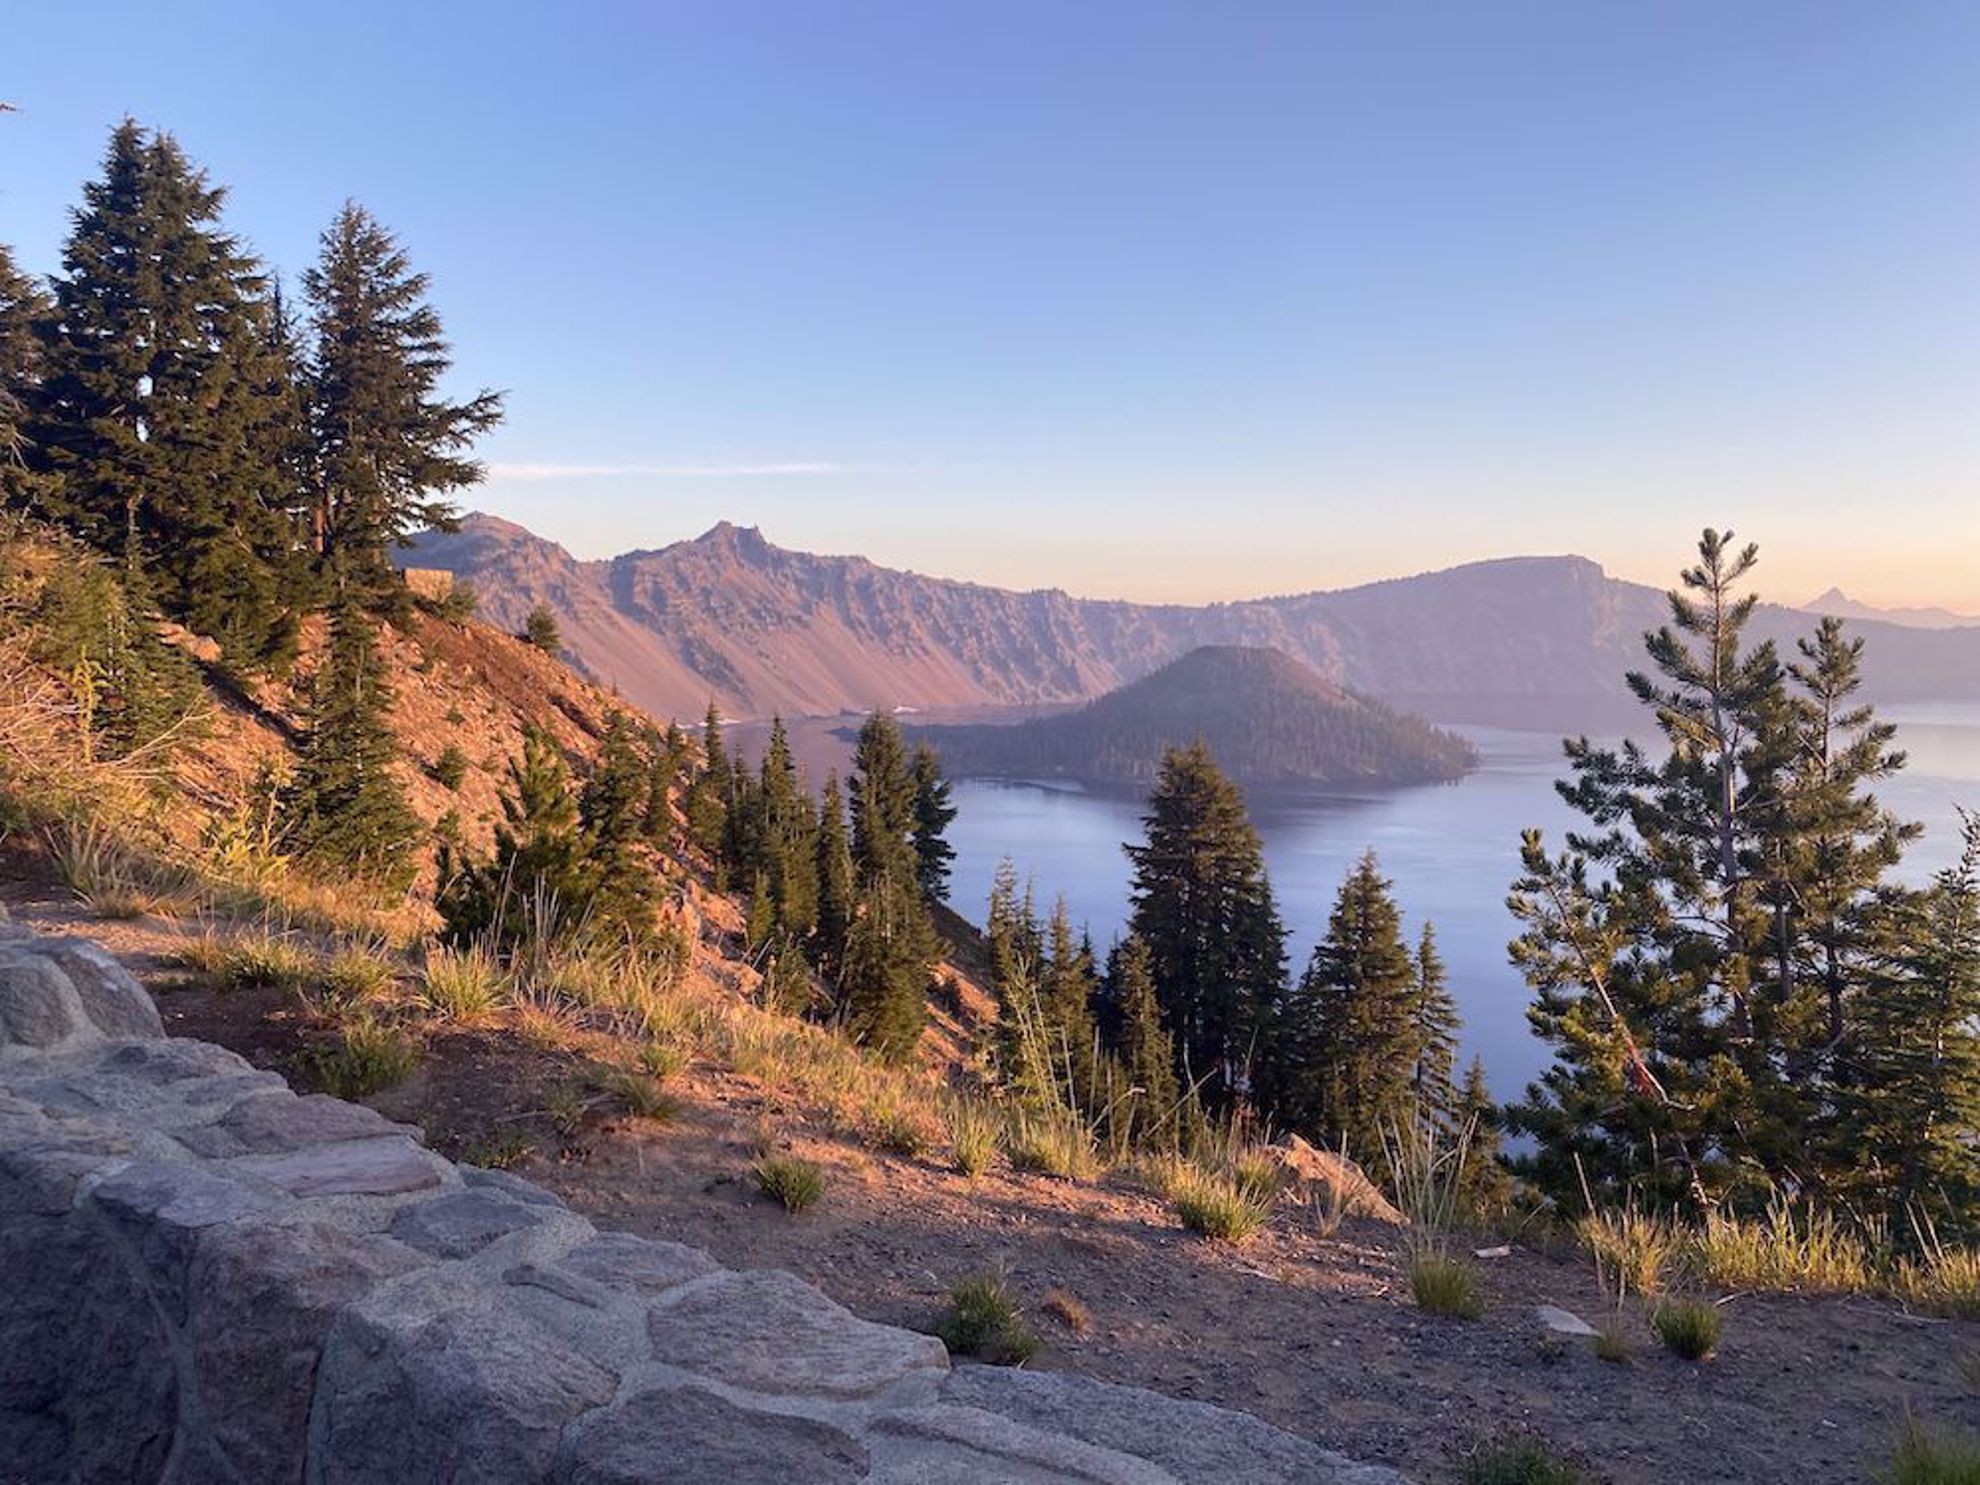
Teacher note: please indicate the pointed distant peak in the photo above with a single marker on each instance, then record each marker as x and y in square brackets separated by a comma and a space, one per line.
[1834, 595]
[746, 541]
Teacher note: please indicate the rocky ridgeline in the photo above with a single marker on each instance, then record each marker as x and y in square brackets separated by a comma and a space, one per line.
[206, 1278]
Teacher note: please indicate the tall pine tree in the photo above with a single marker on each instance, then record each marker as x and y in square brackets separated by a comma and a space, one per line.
[1203, 905]
[390, 449]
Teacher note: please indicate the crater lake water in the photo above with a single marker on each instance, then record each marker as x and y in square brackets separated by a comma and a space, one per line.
[1452, 850]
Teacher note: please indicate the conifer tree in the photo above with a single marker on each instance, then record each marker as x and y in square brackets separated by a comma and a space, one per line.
[1017, 973]
[707, 812]
[884, 978]
[1347, 1044]
[612, 810]
[934, 809]
[1485, 1185]
[390, 449]
[1911, 1101]
[539, 881]
[160, 409]
[24, 309]
[1066, 997]
[540, 630]
[883, 804]
[664, 753]
[1146, 1057]
[836, 889]
[1433, 1081]
[1698, 955]
[1203, 905]
[789, 829]
[345, 811]
[1838, 844]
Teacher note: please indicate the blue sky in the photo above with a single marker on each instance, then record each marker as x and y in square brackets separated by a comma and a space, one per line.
[1150, 300]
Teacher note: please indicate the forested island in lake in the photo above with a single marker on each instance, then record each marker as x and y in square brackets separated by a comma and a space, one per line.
[1270, 720]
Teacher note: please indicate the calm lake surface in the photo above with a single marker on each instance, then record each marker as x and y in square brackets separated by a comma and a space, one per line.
[1451, 849]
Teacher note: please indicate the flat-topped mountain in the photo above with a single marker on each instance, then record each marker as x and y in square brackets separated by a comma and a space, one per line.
[1271, 721]
[761, 629]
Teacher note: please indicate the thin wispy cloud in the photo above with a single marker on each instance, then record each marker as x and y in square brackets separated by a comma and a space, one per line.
[525, 473]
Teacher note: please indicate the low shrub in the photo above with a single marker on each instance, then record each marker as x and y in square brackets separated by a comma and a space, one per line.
[642, 1096]
[790, 1179]
[973, 1131]
[660, 1060]
[1690, 1328]
[1519, 1459]
[252, 960]
[1639, 1249]
[1443, 1285]
[1053, 1142]
[450, 768]
[984, 1320]
[366, 1056]
[1217, 1206]
[354, 976]
[1935, 1456]
[461, 984]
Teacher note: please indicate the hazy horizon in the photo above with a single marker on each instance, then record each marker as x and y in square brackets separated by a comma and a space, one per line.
[1145, 300]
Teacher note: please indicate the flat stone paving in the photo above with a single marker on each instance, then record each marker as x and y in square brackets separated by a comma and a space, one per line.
[204, 1277]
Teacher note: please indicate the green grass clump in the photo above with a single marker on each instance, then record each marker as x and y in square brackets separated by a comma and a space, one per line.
[984, 1320]
[354, 976]
[973, 1132]
[1688, 1327]
[255, 960]
[791, 1180]
[365, 1057]
[461, 984]
[660, 1060]
[1055, 1143]
[1519, 1459]
[1443, 1285]
[642, 1096]
[1928, 1456]
[1219, 1206]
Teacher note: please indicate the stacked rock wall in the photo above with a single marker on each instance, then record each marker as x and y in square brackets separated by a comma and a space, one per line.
[206, 1278]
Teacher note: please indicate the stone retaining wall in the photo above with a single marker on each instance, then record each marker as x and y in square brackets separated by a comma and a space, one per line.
[205, 1278]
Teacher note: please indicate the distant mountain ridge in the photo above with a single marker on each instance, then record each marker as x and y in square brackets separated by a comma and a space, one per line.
[1271, 722]
[761, 629]
[1839, 604]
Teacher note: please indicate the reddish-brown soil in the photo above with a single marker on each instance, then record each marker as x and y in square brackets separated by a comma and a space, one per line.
[1315, 1333]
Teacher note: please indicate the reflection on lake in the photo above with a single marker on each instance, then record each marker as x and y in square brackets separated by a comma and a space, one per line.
[1451, 849]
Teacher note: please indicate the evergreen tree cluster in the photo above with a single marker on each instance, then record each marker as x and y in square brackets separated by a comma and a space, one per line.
[573, 860]
[236, 465]
[1741, 999]
[1193, 1012]
[840, 889]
